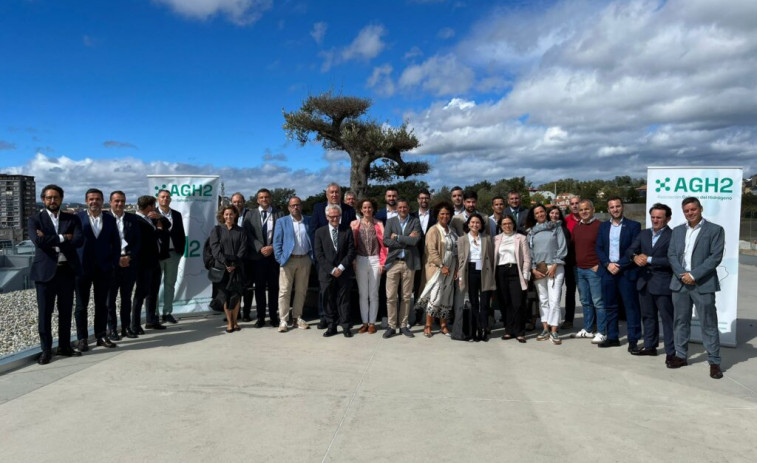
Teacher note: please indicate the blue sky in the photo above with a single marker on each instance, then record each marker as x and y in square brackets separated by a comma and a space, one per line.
[103, 93]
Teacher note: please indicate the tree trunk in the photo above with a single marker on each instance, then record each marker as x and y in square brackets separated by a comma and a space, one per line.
[359, 169]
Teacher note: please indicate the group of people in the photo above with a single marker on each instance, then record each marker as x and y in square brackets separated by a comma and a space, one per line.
[450, 263]
[106, 254]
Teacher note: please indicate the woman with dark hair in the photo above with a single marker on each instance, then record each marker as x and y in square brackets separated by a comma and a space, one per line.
[548, 250]
[439, 269]
[228, 244]
[556, 216]
[512, 260]
[475, 261]
[369, 263]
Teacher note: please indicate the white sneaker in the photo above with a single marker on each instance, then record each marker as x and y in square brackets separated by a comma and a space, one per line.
[599, 338]
[302, 324]
[283, 327]
[584, 334]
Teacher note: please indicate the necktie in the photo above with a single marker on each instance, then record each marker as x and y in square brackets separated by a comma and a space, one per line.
[334, 237]
[265, 227]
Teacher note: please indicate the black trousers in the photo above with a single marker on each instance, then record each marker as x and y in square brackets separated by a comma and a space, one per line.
[121, 284]
[60, 288]
[148, 285]
[652, 305]
[570, 293]
[249, 276]
[267, 280]
[510, 298]
[101, 280]
[335, 293]
[479, 300]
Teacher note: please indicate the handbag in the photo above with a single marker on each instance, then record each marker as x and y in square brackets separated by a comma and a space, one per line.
[542, 268]
[215, 275]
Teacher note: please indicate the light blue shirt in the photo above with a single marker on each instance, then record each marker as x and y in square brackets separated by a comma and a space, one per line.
[655, 236]
[615, 240]
[402, 227]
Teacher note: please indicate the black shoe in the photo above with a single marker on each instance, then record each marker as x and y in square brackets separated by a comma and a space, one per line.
[113, 335]
[139, 331]
[677, 362]
[609, 343]
[259, 323]
[154, 326]
[632, 347]
[484, 336]
[644, 351]
[70, 352]
[169, 318]
[44, 358]
[347, 333]
[389, 333]
[105, 342]
[275, 323]
[246, 318]
[322, 325]
[668, 358]
[406, 331]
[128, 333]
[715, 371]
[82, 345]
[329, 332]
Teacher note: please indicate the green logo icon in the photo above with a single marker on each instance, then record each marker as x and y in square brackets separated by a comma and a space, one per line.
[662, 185]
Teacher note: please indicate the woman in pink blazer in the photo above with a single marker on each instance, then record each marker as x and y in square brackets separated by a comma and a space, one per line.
[512, 260]
[369, 263]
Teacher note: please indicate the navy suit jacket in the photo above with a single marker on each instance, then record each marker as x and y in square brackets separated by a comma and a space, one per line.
[45, 262]
[99, 253]
[153, 244]
[629, 229]
[319, 220]
[328, 258]
[381, 215]
[131, 235]
[706, 256]
[656, 274]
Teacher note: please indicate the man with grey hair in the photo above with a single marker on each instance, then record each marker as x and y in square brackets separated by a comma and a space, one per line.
[334, 254]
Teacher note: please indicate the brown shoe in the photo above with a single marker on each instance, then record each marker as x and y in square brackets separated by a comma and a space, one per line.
[677, 362]
[715, 371]
[371, 328]
[363, 329]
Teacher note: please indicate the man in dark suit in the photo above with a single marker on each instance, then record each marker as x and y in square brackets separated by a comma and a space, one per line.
[153, 248]
[334, 253]
[99, 256]
[259, 227]
[390, 210]
[177, 241]
[426, 220]
[696, 250]
[518, 212]
[617, 273]
[649, 252]
[318, 220]
[401, 236]
[238, 201]
[56, 235]
[125, 273]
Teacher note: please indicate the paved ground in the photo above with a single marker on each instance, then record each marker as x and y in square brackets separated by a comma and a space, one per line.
[195, 393]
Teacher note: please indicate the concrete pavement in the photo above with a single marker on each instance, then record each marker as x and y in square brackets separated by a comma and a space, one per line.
[194, 393]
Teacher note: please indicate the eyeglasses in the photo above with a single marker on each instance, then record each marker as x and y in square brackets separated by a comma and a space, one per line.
[334, 217]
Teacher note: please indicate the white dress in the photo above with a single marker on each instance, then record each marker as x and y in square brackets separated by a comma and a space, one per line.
[438, 295]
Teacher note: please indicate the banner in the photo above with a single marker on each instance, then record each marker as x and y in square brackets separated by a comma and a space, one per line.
[196, 197]
[719, 191]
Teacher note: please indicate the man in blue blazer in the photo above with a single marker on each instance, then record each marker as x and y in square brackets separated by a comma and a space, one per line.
[125, 274]
[333, 196]
[56, 235]
[649, 252]
[99, 256]
[293, 250]
[696, 250]
[617, 274]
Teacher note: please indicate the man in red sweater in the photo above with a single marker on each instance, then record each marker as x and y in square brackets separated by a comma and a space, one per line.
[587, 264]
[572, 219]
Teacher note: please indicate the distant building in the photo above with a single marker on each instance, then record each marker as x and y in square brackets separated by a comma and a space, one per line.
[18, 201]
[563, 200]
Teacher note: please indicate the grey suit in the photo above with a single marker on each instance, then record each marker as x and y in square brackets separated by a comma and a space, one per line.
[265, 268]
[401, 263]
[706, 256]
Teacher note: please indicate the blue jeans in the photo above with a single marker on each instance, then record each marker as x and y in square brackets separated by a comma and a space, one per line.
[590, 292]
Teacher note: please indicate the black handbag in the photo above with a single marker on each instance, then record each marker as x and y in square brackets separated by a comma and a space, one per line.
[215, 275]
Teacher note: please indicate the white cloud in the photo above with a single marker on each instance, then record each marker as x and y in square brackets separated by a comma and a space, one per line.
[414, 52]
[367, 45]
[381, 80]
[593, 90]
[240, 12]
[129, 174]
[319, 32]
[445, 33]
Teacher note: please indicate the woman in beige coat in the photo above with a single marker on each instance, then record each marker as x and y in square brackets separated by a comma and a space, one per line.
[475, 263]
[513, 269]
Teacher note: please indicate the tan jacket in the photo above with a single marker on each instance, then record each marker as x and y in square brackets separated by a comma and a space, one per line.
[432, 256]
[522, 257]
[487, 262]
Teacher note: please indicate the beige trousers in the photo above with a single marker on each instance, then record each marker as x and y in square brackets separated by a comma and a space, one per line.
[294, 274]
[399, 271]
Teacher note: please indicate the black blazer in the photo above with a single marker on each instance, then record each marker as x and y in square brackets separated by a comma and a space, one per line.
[99, 253]
[177, 235]
[655, 275]
[318, 219]
[45, 262]
[431, 222]
[131, 235]
[328, 258]
[153, 244]
[253, 228]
